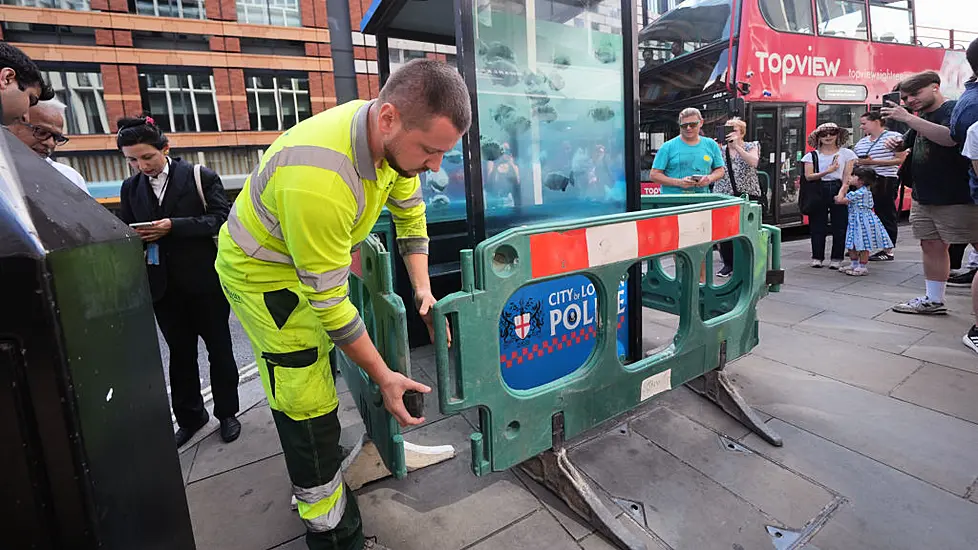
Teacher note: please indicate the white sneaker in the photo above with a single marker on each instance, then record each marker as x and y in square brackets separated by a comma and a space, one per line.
[817, 264]
[834, 265]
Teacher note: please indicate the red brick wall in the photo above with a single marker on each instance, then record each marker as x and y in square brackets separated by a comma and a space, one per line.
[99, 5]
[239, 99]
[322, 19]
[232, 44]
[225, 110]
[229, 11]
[363, 86]
[129, 80]
[113, 95]
[104, 37]
[212, 7]
[322, 91]
[119, 5]
[123, 39]
[217, 43]
[307, 11]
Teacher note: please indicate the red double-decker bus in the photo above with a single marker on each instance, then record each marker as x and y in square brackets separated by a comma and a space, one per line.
[795, 64]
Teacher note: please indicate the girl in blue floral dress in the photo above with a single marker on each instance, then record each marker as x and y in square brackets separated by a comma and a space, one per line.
[865, 232]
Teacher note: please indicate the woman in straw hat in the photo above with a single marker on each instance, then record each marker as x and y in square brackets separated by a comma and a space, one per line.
[827, 166]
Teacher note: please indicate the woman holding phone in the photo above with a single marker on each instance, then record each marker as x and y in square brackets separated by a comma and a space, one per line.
[828, 165]
[177, 209]
[740, 177]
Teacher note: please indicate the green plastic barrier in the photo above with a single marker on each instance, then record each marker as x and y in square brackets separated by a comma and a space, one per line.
[372, 292]
[519, 424]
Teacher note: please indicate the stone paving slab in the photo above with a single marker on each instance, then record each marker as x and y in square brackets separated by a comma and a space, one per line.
[444, 507]
[258, 440]
[945, 349]
[864, 332]
[683, 507]
[784, 313]
[596, 541]
[245, 508]
[886, 509]
[568, 519]
[854, 305]
[774, 490]
[854, 364]
[538, 530]
[929, 445]
[187, 461]
[943, 389]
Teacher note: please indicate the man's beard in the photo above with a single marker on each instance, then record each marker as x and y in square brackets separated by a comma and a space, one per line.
[389, 156]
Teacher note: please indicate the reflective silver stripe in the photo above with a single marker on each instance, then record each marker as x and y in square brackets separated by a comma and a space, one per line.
[348, 332]
[409, 202]
[322, 282]
[312, 495]
[248, 244]
[329, 302]
[361, 147]
[329, 520]
[304, 155]
[412, 245]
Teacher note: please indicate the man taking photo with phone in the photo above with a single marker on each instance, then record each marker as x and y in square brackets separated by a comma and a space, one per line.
[944, 211]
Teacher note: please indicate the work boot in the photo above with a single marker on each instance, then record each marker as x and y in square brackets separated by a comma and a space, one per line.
[370, 543]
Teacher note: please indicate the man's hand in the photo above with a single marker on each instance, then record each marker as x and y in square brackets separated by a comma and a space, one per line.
[893, 143]
[688, 182]
[392, 388]
[425, 300]
[158, 230]
[895, 112]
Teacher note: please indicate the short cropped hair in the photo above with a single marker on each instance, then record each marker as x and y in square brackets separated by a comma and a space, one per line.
[422, 89]
[28, 74]
[690, 111]
[920, 81]
[739, 124]
[875, 116]
[54, 104]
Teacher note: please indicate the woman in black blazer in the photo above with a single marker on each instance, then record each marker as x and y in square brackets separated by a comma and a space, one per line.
[162, 199]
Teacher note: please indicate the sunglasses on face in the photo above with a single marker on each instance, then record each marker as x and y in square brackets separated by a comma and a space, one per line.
[41, 134]
[687, 125]
[826, 133]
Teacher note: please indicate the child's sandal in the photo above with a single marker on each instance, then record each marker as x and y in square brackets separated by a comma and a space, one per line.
[858, 272]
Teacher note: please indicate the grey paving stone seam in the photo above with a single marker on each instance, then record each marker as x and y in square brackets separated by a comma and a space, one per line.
[238, 467]
[904, 381]
[525, 482]
[815, 524]
[190, 470]
[943, 413]
[283, 543]
[516, 521]
[610, 498]
[972, 491]
[851, 450]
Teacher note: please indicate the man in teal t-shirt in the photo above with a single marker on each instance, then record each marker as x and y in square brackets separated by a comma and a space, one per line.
[688, 163]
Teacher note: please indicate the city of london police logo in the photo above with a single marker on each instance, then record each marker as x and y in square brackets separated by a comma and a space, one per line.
[522, 319]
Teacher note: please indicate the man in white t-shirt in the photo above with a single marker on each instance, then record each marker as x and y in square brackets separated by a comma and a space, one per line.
[43, 135]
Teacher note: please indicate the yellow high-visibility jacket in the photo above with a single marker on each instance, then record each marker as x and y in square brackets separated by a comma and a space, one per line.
[313, 197]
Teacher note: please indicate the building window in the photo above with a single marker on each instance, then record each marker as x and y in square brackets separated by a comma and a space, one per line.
[84, 97]
[181, 102]
[185, 9]
[277, 103]
[76, 5]
[842, 18]
[400, 57]
[788, 15]
[892, 21]
[284, 13]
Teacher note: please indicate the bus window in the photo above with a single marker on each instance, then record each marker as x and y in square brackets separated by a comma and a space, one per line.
[892, 21]
[693, 25]
[846, 116]
[788, 15]
[842, 18]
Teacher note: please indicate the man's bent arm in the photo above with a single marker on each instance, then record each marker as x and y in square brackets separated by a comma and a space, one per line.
[937, 133]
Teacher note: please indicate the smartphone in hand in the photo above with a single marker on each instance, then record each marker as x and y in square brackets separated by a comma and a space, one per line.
[892, 97]
[138, 225]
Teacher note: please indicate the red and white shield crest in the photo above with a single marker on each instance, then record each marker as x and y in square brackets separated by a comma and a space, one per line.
[522, 325]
